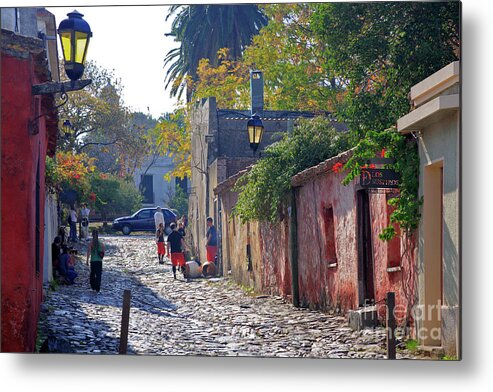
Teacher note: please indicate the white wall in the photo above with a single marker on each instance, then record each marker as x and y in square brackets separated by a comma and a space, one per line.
[50, 232]
[162, 188]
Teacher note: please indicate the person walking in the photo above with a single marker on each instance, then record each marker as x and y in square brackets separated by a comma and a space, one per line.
[211, 243]
[158, 218]
[73, 224]
[175, 249]
[95, 252]
[84, 213]
[161, 251]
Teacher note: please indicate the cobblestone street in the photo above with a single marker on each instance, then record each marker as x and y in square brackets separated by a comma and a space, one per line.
[207, 317]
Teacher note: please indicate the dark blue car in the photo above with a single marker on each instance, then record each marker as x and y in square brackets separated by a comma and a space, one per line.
[143, 220]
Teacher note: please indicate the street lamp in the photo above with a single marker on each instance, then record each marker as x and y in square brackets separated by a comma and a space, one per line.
[255, 131]
[67, 128]
[75, 34]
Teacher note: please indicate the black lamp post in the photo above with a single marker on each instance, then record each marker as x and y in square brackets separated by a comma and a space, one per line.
[75, 34]
[255, 131]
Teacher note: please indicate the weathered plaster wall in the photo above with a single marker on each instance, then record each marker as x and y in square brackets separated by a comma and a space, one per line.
[21, 283]
[440, 142]
[327, 245]
[391, 265]
[270, 264]
[320, 285]
[204, 122]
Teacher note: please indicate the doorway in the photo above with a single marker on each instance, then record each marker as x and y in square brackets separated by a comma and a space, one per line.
[432, 253]
[366, 290]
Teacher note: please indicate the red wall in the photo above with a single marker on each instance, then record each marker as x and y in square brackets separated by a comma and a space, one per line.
[21, 285]
[337, 288]
[385, 255]
[319, 285]
[327, 227]
[276, 261]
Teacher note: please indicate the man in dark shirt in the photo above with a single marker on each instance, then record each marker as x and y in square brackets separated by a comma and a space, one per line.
[55, 253]
[175, 249]
[211, 245]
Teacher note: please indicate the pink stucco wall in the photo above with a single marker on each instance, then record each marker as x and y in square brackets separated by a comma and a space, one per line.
[327, 240]
[321, 286]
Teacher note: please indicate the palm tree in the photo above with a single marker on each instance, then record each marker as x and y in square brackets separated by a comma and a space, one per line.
[202, 31]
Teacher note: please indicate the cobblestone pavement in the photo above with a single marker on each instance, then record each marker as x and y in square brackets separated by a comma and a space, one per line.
[208, 317]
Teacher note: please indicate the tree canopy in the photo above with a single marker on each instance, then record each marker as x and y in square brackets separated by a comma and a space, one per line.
[202, 30]
[102, 126]
[378, 51]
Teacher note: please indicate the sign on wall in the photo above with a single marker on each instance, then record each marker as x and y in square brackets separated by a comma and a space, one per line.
[379, 178]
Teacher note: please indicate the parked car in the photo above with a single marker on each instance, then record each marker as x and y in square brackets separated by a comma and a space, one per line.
[143, 220]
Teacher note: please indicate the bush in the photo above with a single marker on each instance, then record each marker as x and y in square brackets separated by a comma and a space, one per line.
[114, 195]
[263, 190]
[179, 201]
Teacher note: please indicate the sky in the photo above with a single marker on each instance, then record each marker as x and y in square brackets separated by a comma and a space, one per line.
[130, 40]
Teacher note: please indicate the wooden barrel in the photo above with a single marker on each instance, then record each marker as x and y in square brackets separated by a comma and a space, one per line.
[208, 269]
[193, 270]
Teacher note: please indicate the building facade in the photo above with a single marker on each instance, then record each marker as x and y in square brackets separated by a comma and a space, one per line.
[29, 127]
[435, 122]
[325, 251]
[220, 149]
[150, 179]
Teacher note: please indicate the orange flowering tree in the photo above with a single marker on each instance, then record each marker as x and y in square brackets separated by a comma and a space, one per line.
[68, 173]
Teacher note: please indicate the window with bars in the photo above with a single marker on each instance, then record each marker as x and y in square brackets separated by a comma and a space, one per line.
[330, 245]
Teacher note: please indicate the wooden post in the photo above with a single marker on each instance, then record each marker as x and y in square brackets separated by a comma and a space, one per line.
[390, 325]
[125, 320]
[293, 246]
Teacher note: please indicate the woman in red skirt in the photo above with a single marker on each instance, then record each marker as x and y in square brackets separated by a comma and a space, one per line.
[161, 251]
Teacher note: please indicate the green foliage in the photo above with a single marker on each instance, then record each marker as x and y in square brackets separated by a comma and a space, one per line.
[53, 286]
[405, 152]
[262, 191]
[179, 201]
[287, 55]
[102, 126]
[449, 358]
[291, 60]
[378, 50]
[411, 345]
[53, 178]
[115, 195]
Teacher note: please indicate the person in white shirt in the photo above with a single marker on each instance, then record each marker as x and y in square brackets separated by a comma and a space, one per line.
[158, 217]
[84, 212]
[73, 224]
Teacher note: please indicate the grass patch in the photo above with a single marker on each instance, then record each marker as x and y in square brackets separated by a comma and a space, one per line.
[449, 358]
[248, 290]
[53, 285]
[411, 345]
